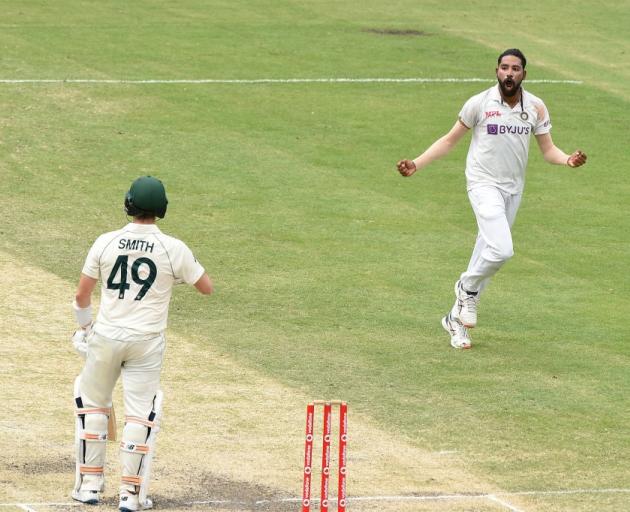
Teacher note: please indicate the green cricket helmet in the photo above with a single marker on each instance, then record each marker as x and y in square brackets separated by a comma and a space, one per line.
[146, 197]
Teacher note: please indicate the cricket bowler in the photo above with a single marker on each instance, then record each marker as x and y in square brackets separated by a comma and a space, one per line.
[502, 119]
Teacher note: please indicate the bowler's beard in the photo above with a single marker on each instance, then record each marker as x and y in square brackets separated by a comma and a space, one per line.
[509, 87]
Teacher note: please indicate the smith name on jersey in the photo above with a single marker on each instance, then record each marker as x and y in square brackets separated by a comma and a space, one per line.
[136, 245]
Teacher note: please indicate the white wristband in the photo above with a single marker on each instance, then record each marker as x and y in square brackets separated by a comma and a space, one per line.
[83, 315]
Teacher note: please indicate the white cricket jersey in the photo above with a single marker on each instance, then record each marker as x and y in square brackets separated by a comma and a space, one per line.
[500, 141]
[138, 266]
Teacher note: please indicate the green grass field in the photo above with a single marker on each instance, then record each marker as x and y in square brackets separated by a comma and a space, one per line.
[332, 272]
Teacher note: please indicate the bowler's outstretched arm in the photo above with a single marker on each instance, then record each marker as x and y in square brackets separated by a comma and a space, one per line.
[554, 155]
[438, 149]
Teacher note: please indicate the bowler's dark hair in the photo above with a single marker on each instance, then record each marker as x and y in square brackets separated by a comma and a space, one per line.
[517, 53]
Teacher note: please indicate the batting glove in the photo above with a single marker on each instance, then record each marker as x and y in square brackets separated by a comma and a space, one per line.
[79, 341]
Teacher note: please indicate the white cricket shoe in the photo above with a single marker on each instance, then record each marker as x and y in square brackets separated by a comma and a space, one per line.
[459, 333]
[466, 306]
[87, 497]
[131, 503]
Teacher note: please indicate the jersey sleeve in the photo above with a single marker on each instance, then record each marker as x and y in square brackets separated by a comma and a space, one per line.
[91, 267]
[185, 265]
[469, 114]
[543, 122]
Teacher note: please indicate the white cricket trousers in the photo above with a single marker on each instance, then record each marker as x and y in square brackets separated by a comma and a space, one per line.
[495, 211]
[140, 363]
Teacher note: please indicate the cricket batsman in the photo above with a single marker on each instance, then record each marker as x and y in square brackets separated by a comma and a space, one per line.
[137, 266]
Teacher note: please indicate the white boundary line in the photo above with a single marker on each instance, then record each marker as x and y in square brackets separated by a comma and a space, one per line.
[271, 81]
[495, 497]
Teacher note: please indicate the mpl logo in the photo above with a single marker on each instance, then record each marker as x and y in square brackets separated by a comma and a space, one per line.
[493, 129]
[493, 113]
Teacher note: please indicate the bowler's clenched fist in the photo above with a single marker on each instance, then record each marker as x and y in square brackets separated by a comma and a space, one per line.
[576, 159]
[406, 167]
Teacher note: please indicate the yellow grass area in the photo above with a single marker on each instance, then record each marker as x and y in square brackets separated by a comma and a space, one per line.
[229, 434]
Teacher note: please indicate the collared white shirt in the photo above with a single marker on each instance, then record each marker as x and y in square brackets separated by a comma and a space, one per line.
[138, 266]
[499, 147]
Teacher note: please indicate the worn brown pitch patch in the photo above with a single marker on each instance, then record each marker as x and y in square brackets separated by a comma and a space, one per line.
[396, 32]
[217, 492]
[42, 465]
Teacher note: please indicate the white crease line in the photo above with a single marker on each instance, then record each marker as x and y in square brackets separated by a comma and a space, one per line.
[25, 506]
[437, 497]
[216, 502]
[560, 493]
[272, 81]
[509, 506]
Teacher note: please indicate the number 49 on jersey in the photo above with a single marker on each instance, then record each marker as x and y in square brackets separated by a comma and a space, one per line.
[121, 265]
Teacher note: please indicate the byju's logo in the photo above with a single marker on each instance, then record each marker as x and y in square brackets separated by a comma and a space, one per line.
[495, 129]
